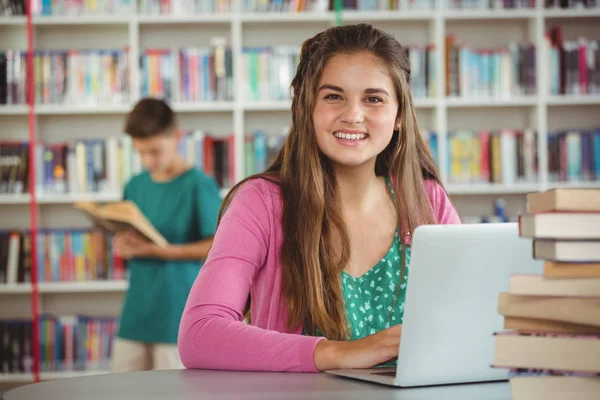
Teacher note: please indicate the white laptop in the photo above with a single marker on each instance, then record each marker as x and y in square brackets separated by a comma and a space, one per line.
[451, 309]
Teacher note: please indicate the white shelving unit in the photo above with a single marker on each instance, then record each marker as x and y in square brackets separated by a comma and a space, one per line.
[47, 376]
[440, 114]
[66, 287]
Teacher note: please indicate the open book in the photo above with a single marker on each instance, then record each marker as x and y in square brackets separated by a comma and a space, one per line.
[121, 216]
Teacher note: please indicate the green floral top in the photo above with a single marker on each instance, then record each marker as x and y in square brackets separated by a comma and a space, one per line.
[373, 301]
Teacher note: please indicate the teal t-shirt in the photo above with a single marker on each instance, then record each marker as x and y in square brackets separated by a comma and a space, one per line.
[184, 210]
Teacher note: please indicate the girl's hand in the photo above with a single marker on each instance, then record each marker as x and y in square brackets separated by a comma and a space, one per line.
[130, 245]
[357, 354]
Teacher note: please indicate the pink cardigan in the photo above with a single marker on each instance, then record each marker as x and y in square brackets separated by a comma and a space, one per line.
[245, 258]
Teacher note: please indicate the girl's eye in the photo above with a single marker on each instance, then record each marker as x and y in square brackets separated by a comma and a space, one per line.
[332, 96]
[374, 99]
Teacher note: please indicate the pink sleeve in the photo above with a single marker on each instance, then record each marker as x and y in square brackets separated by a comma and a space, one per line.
[212, 334]
[442, 206]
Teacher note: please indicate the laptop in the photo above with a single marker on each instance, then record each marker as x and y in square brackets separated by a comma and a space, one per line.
[451, 309]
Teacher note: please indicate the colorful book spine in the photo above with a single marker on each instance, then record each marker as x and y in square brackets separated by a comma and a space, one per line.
[80, 7]
[62, 256]
[489, 72]
[81, 77]
[188, 75]
[66, 343]
[13, 73]
[489, 4]
[327, 5]
[183, 7]
[574, 155]
[574, 65]
[506, 156]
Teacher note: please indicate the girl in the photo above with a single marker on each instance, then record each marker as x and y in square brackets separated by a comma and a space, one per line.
[317, 248]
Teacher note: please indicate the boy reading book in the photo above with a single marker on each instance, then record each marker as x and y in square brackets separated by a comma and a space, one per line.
[182, 204]
[121, 216]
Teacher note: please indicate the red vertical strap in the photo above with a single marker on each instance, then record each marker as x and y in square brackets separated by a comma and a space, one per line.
[33, 200]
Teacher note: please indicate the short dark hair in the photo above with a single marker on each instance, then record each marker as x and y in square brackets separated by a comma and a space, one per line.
[150, 117]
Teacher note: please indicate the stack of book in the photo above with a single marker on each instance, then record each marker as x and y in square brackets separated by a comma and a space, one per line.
[552, 340]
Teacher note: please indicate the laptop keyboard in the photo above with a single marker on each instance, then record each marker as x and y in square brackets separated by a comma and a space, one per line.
[386, 373]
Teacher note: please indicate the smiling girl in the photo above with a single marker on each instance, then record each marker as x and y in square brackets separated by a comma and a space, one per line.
[315, 251]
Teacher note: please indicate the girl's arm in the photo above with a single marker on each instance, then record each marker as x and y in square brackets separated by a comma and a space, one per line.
[212, 334]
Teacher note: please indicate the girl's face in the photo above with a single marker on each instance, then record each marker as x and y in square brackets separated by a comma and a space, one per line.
[356, 109]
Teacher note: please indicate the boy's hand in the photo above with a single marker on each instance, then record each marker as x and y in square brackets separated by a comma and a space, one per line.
[131, 245]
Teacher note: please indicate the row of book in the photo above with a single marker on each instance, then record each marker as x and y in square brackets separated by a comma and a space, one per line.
[186, 75]
[574, 156]
[490, 4]
[12, 7]
[14, 167]
[66, 343]
[175, 7]
[506, 156]
[105, 165]
[206, 74]
[574, 65]
[13, 77]
[75, 255]
[511, 156]
[268, 71]
[80, 7]
[572, 4]
[550, 342]
[85, 166]
[182, 7]
[70, 76]
[329, 5]
[495, 73]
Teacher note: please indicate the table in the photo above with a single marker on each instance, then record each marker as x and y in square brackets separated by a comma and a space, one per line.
[226, 385]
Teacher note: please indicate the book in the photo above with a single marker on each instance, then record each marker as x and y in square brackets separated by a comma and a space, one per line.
[121, 216]
[566, 250]
[533, 325]
[575, 310]
[537, 285]
[547, 351]
[551, 340]
[560, 225]
[564, 200]
[569, 270]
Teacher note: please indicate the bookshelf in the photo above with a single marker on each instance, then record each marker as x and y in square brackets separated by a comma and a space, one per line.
[482, 28]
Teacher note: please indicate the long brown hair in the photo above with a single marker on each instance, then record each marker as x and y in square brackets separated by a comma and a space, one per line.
[311, 267]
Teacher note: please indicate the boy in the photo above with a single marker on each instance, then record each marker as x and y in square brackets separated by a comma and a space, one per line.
[183, 204]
